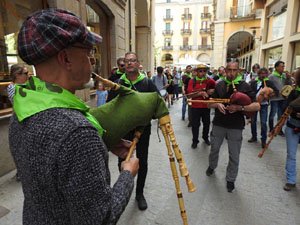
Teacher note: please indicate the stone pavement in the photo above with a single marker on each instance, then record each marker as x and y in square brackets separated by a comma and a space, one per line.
[258, 200]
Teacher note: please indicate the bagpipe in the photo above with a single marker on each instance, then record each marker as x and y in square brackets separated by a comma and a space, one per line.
[236, 98]
[294, 106]
[132, 110]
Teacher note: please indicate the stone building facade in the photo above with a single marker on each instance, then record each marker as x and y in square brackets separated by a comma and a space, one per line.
[125, 25]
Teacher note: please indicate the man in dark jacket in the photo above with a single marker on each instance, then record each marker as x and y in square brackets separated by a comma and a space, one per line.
[56, 144]
[135, 80]
[229, 122]
[120, 71]
[257, 85]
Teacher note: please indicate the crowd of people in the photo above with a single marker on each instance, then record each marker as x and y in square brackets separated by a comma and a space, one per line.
[61, 159]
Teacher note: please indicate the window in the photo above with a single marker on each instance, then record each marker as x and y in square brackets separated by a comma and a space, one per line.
[185, 41]
[205, 9]
[168, 26]
[186, 25]
[168, 1]
[168, 13]
[276, 20]
[167, 42]
[273, 55]
[204, 41]
[186, 11]
[243, 8]
[204, 25]
[296, 61]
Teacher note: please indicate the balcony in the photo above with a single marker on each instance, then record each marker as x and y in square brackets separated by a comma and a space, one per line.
[204, 47]
[185, 47]
[168, 17]
[186, 31]
[205, 15]
[167, 48]
[186, 16]
[205, 31]
[242, 13]
[167, 32]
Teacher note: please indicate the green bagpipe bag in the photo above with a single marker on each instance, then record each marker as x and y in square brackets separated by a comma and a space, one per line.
[129, 110]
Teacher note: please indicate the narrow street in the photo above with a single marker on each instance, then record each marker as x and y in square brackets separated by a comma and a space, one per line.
[259, 198]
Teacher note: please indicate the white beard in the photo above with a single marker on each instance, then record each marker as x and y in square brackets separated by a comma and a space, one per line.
[89, 84]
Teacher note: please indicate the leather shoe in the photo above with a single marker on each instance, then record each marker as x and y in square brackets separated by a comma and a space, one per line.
[281, 133]
[194, 145]
[142, 204]
[206, 141]
[209, 171]
[253, 139]
[289, 187]
[190, 124]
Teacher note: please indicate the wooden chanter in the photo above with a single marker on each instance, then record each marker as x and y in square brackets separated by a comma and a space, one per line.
[133, 110]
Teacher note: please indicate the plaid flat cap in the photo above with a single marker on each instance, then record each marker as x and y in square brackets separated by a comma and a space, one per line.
[46, 32]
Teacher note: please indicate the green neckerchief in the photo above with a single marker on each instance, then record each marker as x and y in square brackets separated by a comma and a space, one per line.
[119, 72]
[240, 75]
[278, 75]
[220, 76]
[170, 80]
[201, 79]
[128, 82]
[297, 88]
[235, 81]
[258, 80]
[36, 95]
[189, 75]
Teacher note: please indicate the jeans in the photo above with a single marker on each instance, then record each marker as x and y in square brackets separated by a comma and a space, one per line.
[197, 114]
[176, 91]
[263, 113]
[276, 107]
[292, 140]
[184, 103]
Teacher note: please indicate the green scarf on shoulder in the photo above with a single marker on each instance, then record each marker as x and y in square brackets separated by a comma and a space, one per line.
[235, 81]
[36, 95]
[258, 80]
[128, 82]
[201, 79]
[281, 76]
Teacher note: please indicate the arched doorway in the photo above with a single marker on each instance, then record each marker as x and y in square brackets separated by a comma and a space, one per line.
[240, 45]
[204, 58]
[167, 60]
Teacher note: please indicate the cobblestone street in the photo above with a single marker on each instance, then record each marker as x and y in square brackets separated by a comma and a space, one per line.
[259, 198]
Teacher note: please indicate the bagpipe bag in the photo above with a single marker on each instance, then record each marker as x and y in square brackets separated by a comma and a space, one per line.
[240, 98]
[129, 110]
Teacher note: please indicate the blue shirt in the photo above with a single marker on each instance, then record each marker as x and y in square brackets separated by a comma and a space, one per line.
[101, 97]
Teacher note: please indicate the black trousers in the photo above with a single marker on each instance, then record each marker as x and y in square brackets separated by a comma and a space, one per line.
[197, 114]
[142, 154]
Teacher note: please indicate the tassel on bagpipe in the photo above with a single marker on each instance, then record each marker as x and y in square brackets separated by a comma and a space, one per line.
[133, 110]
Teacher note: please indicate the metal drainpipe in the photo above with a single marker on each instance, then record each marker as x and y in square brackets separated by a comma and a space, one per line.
[129, 4]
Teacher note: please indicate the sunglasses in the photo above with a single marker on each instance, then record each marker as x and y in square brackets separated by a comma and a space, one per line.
[26, 73]
[130, 60]
[122, 65]
[201, 70]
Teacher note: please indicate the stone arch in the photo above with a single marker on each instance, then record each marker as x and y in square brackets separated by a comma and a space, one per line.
[234, 42]
[203, 57]
[166, 59]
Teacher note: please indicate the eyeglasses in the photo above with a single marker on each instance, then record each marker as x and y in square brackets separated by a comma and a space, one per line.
[130, 60]
[91, 52]
[121, 65]
[201, 70]
[25, 73]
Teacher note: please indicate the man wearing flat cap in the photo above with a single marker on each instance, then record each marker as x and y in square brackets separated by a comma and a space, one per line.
[55, 142]
[200, 88]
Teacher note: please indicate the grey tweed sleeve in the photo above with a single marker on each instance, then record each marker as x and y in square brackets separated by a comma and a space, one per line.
[85, 180]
